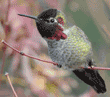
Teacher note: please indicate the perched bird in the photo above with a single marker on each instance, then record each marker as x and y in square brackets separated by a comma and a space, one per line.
[68, 46]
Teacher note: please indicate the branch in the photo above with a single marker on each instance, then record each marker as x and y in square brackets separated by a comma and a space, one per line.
[97, 68]
[22, 53]
[7, 75]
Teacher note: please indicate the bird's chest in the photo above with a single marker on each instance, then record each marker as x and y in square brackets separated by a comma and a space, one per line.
[59, 51]
[67, 52]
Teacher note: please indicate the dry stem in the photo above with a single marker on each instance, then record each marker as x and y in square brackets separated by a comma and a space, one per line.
[94, 68]
[7, 75]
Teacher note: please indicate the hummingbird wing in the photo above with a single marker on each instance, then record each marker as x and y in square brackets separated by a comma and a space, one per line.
[79, 43]
[89, 76]
[75, 30]
[92, 78]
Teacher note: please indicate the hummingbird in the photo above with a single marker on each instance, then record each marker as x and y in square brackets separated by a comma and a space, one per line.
[68, 46]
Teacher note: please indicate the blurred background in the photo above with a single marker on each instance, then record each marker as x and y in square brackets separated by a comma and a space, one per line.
[32, 78]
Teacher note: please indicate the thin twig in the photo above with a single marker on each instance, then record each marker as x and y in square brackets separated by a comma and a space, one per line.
[7, 75]
[97, 68]
[94, 68]
[22, 53]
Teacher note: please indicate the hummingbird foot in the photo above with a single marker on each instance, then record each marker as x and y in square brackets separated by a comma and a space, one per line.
[59, 66]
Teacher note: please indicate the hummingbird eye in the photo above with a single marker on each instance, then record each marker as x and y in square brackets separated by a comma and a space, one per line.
[52, 20]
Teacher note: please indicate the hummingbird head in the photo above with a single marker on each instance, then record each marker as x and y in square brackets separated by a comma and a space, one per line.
[50, 24]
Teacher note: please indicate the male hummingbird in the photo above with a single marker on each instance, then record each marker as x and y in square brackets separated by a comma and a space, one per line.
[68, 46]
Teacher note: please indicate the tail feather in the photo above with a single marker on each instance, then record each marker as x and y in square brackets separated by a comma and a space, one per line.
[92, 78]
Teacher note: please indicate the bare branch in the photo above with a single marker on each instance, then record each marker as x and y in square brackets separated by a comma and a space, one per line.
[7, 75]
[22, 53]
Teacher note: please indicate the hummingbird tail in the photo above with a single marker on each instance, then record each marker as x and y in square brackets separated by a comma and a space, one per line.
[92, 78]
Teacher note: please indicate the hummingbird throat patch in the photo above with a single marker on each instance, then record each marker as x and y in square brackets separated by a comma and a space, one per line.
[59, 31]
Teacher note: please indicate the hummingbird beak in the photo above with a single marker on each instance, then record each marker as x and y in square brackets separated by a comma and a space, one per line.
[29, 16]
